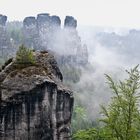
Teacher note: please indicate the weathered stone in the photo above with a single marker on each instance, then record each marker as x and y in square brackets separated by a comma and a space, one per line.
[5, 45]
[45, 33]
[3, 20]
[30, 32]
[43, 18]
[34, 104]
[70, 22]
[29, 21]
[55, 21]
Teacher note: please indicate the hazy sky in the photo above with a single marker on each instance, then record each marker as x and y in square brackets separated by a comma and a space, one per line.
[118, 13]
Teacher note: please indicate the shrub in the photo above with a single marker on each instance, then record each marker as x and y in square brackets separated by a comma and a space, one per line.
[25, 56]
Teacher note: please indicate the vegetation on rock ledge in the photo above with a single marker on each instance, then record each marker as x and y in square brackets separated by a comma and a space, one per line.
[25, 56]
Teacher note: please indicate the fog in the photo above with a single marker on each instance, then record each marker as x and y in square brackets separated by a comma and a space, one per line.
[110, 51]
[92, 88]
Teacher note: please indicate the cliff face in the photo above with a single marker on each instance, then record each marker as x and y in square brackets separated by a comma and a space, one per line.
[45, 32]
[34, 104]
[5, 45]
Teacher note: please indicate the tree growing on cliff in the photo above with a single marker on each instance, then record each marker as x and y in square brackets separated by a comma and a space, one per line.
[25, 56]
[122, 117]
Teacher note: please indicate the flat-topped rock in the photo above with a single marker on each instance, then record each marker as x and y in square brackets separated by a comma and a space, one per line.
[70, 22]
[43, 18]
[3, 20]
[55, 20]
[29, 21]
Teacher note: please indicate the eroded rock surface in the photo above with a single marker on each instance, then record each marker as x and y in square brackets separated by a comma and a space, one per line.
[70, 22]
[5, 45]
[44, 32]
[34, 104]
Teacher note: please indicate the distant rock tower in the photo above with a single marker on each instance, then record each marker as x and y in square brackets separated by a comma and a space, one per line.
[30, 32]
[3, 20]
[4, 39]
[55, 31]
[70, 22]
[43, 26]
[78, 52]
[45, 33]
[71, 37]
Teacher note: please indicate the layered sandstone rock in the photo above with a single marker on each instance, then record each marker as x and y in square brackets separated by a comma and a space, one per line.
[34, 104]
[5, 45]
[45, 33]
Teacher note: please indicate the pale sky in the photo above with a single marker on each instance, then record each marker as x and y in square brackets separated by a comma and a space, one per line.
[117, 13]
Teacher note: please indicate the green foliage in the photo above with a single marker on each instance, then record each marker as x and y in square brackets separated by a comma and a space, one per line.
[79, 120]
[122, 117]
[25, 56]
[89, 134]
[92, 134]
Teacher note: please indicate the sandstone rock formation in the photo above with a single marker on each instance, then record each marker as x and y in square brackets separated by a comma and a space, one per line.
[3, 20]
[45, 33]
[70, 22]
[5, 45]
[34, 104]
[30, 32]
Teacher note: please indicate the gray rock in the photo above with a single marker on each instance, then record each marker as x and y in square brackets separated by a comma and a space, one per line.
[6, 50]
[29, 21]
[30, 32]
[43, 18]
[55, 21]
[3, 20]
[34, 104]
[70, 22]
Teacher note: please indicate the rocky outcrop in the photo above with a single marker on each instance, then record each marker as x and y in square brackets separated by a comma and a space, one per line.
[44, 29]
[30, 32]
[55, 21]
[5, 45]
[70, 22]
[3, 20]
[34, 104]
[45, 33]
[28, 21]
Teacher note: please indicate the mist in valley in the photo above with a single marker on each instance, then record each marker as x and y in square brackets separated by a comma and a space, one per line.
[105, 57]
[110, 51]
[67, 49]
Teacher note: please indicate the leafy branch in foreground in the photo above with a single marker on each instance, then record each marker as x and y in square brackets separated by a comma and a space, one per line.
[122, 117]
